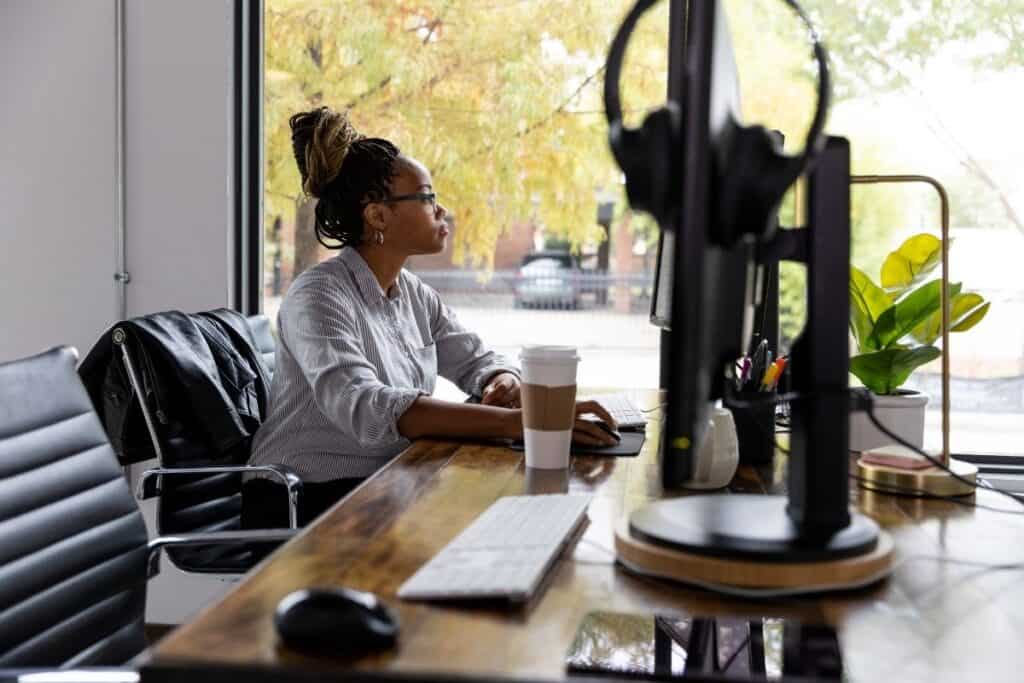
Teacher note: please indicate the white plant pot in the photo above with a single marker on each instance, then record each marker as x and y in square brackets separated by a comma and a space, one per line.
[902, 414]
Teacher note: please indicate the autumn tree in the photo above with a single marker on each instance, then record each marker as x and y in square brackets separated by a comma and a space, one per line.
[500, 99]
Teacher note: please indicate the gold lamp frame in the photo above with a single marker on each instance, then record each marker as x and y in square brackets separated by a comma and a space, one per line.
[933, 480]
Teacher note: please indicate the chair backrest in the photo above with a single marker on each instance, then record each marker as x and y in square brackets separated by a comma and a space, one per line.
[207, 503]
[259, 325]
[73, 554]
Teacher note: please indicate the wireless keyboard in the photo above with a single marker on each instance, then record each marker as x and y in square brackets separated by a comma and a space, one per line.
[625, 412]
[504, 553]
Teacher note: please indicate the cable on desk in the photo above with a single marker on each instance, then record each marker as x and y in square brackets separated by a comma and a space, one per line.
[892, 488]
[864, 400]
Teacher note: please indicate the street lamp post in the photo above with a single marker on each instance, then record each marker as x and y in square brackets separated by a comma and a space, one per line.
[605, 212]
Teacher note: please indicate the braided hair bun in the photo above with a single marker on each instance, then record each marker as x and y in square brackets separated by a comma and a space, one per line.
[342, 169]
[321, 140]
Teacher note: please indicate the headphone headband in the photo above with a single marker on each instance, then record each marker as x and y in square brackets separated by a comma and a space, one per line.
[613, 67]
[636, 150]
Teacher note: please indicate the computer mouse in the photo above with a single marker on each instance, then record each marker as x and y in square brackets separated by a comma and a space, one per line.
[335, 621]
[606, 428]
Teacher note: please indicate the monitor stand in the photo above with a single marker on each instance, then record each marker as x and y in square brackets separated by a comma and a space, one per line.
[809, 540]
[733, 543]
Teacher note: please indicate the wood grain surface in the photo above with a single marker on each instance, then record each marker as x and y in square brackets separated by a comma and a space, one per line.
[936, 619]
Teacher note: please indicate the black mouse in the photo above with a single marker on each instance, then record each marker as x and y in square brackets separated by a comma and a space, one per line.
[335, 621]
[606, 428]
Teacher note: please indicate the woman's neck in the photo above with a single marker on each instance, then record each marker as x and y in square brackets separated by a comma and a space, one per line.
[386, 265]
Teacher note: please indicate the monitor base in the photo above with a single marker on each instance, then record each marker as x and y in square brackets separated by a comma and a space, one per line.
[746, 542]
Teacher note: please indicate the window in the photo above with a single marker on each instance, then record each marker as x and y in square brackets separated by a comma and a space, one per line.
[501, 100]
[920, 88]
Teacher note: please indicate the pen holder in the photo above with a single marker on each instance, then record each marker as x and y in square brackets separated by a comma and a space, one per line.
[755, 427]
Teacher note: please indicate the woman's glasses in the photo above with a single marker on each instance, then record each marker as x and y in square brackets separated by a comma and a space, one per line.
[430, 197]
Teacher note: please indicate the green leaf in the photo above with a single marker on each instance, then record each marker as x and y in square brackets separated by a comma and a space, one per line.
[962, 307]
[912, 260]
[885, 371]
[867, 302]
[971, 319]
[909, 312]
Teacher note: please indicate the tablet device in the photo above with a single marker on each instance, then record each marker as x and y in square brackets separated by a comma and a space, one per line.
[666, 647]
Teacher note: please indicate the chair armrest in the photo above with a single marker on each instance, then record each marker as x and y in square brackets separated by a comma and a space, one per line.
[98, 674]
[149, 482]
[212, 538]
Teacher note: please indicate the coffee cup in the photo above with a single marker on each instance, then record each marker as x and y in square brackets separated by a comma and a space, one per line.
[548, 396]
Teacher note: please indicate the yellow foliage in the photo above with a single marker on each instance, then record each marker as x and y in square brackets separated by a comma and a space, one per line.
[500, 100]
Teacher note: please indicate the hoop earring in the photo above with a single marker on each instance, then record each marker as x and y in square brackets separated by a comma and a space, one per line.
[379, 238]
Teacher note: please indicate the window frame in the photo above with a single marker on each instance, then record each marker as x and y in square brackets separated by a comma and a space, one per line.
[247, 164]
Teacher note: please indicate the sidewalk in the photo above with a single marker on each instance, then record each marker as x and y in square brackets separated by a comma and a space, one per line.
[617, 350]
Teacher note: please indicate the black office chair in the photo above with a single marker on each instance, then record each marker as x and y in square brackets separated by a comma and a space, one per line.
[74, 556]
[262, 335]
[199, 488]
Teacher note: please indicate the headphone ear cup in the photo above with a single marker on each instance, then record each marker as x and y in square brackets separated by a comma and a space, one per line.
[630, 147]
[663, 132]
[755, 175]
[647, 158]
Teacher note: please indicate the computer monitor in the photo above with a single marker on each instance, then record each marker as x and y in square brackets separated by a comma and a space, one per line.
[711, 284]
[713, 275]
[661, 298]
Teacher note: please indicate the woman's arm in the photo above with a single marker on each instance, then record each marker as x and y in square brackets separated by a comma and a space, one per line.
[432, 417]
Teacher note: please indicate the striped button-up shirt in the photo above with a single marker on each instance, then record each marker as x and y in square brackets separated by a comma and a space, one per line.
[350, 361]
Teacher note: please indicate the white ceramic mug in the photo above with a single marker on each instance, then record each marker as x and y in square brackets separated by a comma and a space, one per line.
[719, 455]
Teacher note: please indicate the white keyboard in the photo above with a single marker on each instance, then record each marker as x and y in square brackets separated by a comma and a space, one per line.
[504, 553]
[624, 411]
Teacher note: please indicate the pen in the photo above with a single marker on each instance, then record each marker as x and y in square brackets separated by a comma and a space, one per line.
[759, 364]
[752, 347]
[781, 364]
[743, 367]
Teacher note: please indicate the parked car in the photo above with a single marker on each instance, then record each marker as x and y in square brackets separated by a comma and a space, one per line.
[549, 279]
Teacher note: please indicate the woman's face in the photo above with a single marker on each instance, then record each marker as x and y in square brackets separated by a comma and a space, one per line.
[415, 225]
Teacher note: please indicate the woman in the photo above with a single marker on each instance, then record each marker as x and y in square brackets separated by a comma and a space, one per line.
[361, 340]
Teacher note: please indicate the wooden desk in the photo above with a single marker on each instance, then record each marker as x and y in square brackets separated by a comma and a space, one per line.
[932, 621]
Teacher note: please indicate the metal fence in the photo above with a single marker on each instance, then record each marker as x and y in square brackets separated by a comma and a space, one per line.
[575, 290]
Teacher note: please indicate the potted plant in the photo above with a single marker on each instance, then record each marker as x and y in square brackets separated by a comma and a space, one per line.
[895, 326]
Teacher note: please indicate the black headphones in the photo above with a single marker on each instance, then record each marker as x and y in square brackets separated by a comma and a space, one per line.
[758, 171]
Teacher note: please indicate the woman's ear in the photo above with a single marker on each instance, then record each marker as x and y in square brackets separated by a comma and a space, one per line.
[373, 215]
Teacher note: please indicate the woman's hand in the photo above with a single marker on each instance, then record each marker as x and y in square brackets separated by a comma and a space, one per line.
[502, 390]
[586, 432]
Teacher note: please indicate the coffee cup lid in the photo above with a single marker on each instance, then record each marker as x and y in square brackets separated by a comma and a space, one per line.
[542, 352]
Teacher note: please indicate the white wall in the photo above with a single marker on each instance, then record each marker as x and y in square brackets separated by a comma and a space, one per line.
[56, 174]
[57, 179]
[179, 109]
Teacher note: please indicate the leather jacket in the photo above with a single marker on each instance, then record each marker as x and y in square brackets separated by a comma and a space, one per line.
[203, 380]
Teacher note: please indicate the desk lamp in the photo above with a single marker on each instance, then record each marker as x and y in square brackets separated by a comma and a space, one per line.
[932, 481]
